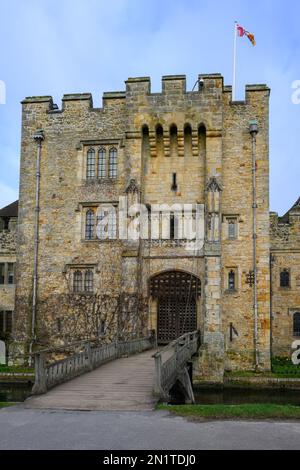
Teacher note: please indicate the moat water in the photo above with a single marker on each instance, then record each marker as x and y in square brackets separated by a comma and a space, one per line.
[14, 393]
[17, 393]
[246, 396]
[242, 397]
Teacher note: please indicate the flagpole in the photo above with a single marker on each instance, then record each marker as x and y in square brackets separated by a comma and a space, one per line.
[234, 62]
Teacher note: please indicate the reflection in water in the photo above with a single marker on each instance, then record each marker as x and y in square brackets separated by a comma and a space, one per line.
[246, 396]
[242, 396]
[14, 393]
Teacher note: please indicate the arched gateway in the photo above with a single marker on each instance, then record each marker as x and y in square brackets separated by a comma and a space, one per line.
[176, 293]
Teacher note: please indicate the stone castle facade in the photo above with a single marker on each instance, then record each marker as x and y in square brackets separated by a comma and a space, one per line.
[8, 236]
[174, 148]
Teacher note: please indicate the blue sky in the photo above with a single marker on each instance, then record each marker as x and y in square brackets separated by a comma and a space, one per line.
[52, 47]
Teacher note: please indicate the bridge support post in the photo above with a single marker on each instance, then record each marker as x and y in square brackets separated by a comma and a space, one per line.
[40, 383]
[186, 383]
[88, 355]
[158, 390]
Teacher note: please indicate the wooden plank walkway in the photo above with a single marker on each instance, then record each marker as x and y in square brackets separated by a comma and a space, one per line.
[122, 385]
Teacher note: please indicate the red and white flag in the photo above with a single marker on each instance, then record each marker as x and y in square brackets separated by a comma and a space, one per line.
[242, 32]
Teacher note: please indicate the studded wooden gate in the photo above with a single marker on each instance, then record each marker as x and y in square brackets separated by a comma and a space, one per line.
[177, 294]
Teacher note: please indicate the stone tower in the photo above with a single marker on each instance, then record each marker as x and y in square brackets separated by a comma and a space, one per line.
[173, 148]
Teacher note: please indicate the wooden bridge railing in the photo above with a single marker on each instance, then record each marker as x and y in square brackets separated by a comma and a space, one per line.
[91, 357]
[171, 362]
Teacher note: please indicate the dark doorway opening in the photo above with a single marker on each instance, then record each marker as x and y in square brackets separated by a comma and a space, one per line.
[177, 293]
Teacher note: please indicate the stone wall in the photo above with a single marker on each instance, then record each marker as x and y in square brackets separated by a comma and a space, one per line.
[237, 200]
[7, 292]
[7, 255]
[7, 242]
[213, 167]
[285, 254]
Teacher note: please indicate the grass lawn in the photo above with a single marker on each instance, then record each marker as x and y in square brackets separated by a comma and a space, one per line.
[5, 405]
[15, 370]
[282, 368]
[259, 411]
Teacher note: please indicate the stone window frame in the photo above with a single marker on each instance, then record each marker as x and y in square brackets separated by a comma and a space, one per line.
[227, 219]
[91, 164]
[4, 314]
[110, 149]
[113, 163]
[289, 271]
[89, 281]
[102, 163]
[89, 224]
[229, 270]
[296, 323]
[170, 222]
[77, 281]
[86, 208]
[7, 273]
[87, 288]
[292, 313]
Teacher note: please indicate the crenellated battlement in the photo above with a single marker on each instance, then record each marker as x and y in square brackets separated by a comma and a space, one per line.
[286, 229]
[138, 89]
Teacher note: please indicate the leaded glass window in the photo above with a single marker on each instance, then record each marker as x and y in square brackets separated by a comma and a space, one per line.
[296, 324]
[90, 166]
[89, 226]
[113, 163]
[6, 321]
[77, 281]
[285, 278]
[11, 273]
[232, 229]
[102, 163]
[2, 273]
[231, 280]
[89, 281]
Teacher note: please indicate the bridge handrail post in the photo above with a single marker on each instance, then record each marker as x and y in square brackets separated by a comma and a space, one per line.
[40, 383]
[88, 355]
[158, 372]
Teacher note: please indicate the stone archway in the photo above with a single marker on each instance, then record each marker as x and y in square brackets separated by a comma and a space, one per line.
[176, 293]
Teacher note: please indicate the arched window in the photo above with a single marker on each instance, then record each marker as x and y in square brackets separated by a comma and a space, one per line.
[102, 164]
[89, 281]
[90, 164]
[285, 278]
[77, 281]
[232, 229]
[188, 142]
[160, 148]
[296, 324]
[202, 142]
[173, 141]
[231, 280]
[89, 225]
[145, 146]
[145, 130]
[113, 163]
[175, 229]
